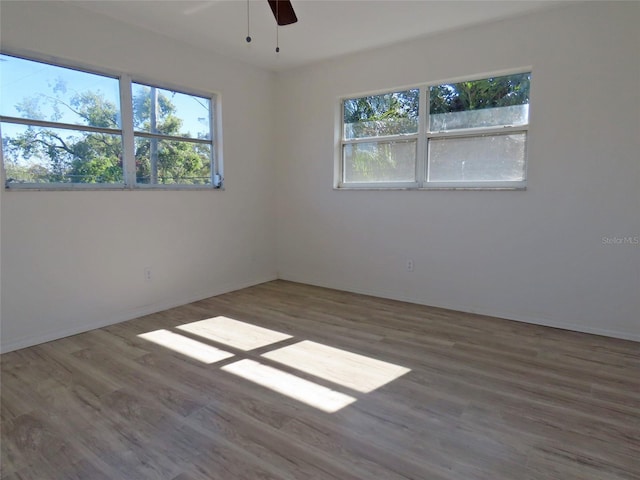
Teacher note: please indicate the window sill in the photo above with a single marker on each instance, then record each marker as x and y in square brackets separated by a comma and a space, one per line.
[108, 188]
[426, 189]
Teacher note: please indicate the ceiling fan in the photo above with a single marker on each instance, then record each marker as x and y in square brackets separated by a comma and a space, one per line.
[283, 11]
[284, 14]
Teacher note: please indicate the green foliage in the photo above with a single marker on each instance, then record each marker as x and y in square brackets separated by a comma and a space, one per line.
[30, 108]
[193, 167]
[97, 170]
[397, 114]
[389, 114]
[478, 94]
[38, 154]
[93, 108]
[167, 123]
[380, 162]
[380, 115]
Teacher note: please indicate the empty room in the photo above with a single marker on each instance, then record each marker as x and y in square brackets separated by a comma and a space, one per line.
[320, 239]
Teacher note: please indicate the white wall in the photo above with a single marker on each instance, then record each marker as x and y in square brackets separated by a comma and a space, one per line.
[72, 261]
[535, 256]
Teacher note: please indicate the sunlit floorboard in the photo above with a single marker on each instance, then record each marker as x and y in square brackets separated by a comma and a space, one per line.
[289, 381]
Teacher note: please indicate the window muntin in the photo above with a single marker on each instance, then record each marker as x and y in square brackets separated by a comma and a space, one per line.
[473, 136]
[172, 136]
[46, 155]
[394, 113]
[484, 103]
[176, 162]
[380, 135]
[59, 125]
[177, 114]
[63, 127]
[49, 93]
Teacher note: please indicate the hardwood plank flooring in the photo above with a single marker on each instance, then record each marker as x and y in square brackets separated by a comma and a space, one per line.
[384, 390]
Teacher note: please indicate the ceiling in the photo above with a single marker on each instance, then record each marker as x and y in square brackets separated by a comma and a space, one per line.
[326, 28]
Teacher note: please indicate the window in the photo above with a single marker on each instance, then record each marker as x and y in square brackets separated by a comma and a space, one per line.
[62, 127]
[380, 138]
[172, 136]
[470, 134]
[59, 125]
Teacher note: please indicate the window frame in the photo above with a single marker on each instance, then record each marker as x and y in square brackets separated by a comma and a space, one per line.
[126, 132]
[423, 138]
[341, 184]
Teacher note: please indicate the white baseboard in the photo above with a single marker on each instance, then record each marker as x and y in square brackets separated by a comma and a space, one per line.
[462, 308]
[30, 340]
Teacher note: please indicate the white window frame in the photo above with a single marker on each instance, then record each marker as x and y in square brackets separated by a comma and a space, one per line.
[341, 184]
[126, 131]
[423, 137]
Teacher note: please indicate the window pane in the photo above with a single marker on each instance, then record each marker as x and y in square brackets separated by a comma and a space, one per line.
[491, 158]
[488, 117]
[480, 103]
[46, 155]
[379, 115]
[176, 114]
[39, 91]
[380, 162]
[169, 162]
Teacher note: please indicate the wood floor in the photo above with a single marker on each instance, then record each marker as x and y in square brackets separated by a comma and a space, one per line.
[332, 386]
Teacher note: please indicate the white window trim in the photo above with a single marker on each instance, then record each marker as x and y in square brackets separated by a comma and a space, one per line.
[423, 137]
[126, 132]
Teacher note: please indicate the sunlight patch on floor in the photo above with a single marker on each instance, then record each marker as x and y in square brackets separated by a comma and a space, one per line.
[351, 370]
[294, 387]
[359, 373]
[186, 346]
[237, 334]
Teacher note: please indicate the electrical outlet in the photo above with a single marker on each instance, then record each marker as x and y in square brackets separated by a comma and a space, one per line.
[410, 265]
[147, 274]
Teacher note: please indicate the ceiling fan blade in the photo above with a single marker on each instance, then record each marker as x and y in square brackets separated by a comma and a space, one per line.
[283, 11]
